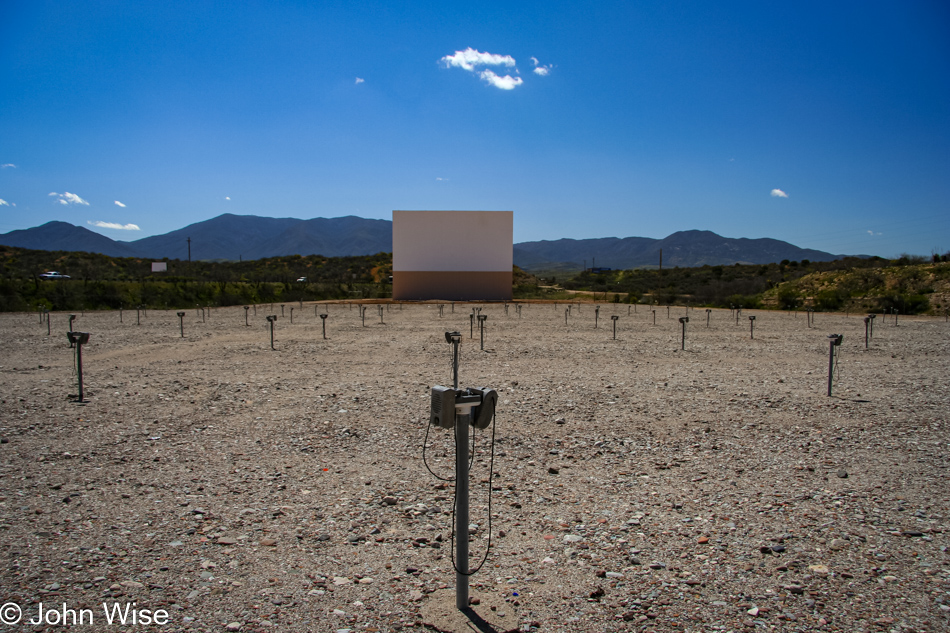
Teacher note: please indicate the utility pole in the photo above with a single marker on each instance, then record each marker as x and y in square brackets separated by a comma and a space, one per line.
[189, 249]
[661, 259]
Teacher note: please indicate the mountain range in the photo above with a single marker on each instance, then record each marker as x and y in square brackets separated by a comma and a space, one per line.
[233, 237]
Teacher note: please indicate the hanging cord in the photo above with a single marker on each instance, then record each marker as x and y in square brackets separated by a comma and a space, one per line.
[471, 460]
[491, 474]
[424, 443]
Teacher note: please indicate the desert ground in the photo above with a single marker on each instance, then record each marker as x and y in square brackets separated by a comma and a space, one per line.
[635, 487]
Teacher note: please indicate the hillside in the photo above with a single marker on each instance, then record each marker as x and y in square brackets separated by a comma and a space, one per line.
[243, 237]
[912, 286]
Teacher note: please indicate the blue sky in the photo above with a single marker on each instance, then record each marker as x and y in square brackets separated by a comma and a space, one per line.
[823, 124]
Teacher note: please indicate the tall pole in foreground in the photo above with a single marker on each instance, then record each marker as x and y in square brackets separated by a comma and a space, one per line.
[461, 512]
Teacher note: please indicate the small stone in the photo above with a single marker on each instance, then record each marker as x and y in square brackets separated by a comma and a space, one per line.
[553, 471]
[912, 533]
[703, 540]
[268, 542]
[754, 611]
[131, 584]
[795, 589]
[415, 595]
[843, 474]
[821, 570]
[838, 544]
[474, 601]
[341, 580]
[234, 626]
[390, 500]
[572, 538]
[226, 540]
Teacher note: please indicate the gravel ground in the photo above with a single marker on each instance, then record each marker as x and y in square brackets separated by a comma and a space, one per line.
[636, 487]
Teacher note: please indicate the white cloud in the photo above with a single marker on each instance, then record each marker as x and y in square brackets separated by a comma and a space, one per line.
[4, 203]
[873, 233]
[119, 204]
[778, 193]
[68, 198]
[470, 58]
[114, 225]
[360, 80]
[227, 197]
[441, 179]
[5, 165]
[505, 83]
[539, 68]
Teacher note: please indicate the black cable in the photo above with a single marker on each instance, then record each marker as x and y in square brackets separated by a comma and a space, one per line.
[491, 473]
[424, 442]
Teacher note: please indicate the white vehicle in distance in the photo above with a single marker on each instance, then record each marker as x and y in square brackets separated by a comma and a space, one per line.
[302, 279]
[54, 275]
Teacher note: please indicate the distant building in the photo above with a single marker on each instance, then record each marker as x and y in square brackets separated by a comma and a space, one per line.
[452, 255]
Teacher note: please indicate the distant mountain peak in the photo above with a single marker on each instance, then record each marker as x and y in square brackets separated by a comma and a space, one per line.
[231, 237]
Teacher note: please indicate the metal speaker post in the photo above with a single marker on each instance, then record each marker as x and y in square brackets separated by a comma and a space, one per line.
[380, 308]
[667, 312]
[120, 315]
[867, 328]
[596, 316]
[271, 319]
[181, 323]
[834, 340]
[684, 321]
[614, 319]
[871, 328]
[246, 308]
[138, 320]
[323, 317]
[471, 324]
[282, 310]
[78, 339]
[291, 314]
[72, 317]
[566, 312]
[455, 339]
[752, 326]
[707, 316]
[362, 315]
[654, 317]
[481, 329]
[48, 332]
